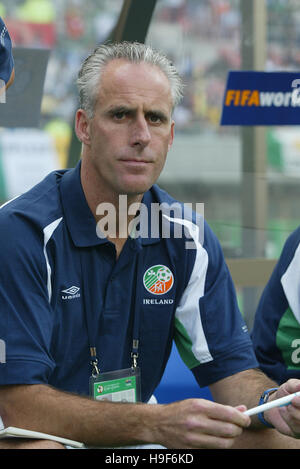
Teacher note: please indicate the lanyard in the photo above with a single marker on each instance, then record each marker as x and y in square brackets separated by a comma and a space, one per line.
[89, 316]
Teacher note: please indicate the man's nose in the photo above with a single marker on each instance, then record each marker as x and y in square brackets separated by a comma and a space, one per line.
[140, 132]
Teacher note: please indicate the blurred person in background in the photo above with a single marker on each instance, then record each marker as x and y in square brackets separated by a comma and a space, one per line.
[276, 329]
[7, 70]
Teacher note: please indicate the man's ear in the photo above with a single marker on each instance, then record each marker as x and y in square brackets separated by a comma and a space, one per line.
[171, 135]
[82, 126]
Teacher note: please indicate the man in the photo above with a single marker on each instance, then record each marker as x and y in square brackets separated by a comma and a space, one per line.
[276, 331]
[7, 71]
[85, 302]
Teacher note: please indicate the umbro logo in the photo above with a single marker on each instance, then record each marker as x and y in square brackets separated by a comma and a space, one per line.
[72, 290]
[71, 293]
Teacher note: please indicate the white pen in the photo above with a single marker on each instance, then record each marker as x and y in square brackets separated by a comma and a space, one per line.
[282, 401]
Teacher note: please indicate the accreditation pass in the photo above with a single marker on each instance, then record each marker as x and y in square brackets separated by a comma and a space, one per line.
[117, 386]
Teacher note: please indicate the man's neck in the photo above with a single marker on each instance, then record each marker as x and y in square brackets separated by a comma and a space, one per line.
[113, 212]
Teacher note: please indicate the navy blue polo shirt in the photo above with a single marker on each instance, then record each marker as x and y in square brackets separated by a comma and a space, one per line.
[6, 58]
[62, 290]
[276, 330]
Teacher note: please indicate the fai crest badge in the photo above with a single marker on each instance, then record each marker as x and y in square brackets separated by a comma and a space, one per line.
[158, 279]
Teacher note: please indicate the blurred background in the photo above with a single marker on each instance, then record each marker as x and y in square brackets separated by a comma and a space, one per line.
[247, 178]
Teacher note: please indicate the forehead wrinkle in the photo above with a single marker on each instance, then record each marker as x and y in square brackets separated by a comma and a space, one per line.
[128, 81]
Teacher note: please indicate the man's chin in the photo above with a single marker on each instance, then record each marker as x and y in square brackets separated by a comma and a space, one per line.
[135, 190]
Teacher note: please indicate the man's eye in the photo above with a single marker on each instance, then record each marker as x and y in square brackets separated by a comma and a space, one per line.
[154, 119]
[119, 115]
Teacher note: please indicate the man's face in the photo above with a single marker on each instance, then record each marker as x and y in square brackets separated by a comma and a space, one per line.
[131, 130]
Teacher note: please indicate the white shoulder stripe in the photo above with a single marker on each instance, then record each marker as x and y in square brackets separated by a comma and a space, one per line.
[291, 284]
[187, 312]
[9, 201]
[48, 232]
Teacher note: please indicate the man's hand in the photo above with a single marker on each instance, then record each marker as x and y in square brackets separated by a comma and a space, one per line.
[286, 419]
[199, 423]
[192, 423]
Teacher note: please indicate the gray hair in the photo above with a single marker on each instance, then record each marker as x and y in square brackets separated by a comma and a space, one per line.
[135, 52]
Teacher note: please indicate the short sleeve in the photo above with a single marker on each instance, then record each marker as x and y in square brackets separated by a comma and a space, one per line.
[276, 328]
[6, 56]
[211, 334]
[26, 319]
